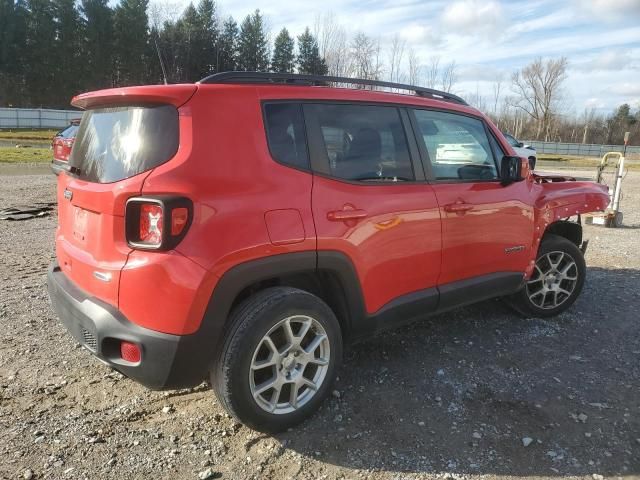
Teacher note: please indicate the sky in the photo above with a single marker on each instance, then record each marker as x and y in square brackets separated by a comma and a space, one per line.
[489, 39]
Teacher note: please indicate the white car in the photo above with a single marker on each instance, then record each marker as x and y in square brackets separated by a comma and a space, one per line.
[459, 153]
[526, 151]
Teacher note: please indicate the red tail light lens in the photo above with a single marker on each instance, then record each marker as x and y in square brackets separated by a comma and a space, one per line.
[151, 224]
[130, 352]
[157, 223]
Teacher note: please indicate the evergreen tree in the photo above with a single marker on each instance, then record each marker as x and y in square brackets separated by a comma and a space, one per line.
[97, 45]
[227, 51]
[131, 35]
[169, 41]
[283, 58]
[189, 36]
[309, 59]
[253, 52]
[67, 57]
[39, 55]
[13, 37]
[209, 24]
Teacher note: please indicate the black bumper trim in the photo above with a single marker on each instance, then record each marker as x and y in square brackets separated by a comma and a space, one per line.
[168, 361]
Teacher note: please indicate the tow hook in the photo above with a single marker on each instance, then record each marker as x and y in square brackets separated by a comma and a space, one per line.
[583, 247]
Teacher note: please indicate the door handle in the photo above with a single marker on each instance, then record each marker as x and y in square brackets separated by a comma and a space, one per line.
[343, 215]
[458, 207]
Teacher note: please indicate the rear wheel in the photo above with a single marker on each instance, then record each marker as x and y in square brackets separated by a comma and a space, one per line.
[279, 359]
[556, 281]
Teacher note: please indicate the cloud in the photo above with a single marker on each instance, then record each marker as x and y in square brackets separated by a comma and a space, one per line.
[594, 102]
[609, 60]
[424, 34]
[473, 17]
[611, 10]
[627, 89]
[480, 73]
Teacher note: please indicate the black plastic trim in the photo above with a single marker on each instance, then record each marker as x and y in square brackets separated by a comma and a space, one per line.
[168, 361]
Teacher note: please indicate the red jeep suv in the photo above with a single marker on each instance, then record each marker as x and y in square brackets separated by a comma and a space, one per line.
[242, 228]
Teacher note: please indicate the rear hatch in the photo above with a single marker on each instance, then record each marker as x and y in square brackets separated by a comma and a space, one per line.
[123, 135]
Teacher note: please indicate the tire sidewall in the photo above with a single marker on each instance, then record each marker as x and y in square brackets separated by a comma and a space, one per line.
[238, 360]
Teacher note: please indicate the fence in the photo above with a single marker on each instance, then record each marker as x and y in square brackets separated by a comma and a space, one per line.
[36, 117]
[579, 149]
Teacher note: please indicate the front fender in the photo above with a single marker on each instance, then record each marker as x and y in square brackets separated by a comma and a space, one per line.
[558, 198]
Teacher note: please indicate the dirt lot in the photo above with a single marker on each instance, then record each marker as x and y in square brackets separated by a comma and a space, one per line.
[456, 396]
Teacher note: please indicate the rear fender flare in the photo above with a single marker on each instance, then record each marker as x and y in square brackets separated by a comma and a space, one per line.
[214, 323]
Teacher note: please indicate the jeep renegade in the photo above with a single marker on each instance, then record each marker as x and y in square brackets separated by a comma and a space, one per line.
[241, 229]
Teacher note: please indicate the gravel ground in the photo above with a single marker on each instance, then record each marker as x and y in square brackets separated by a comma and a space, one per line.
[475, 392]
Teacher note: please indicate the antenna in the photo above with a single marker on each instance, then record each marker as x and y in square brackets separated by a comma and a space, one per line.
[164, 72]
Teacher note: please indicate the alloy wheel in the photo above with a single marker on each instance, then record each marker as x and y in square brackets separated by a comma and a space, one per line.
[553, 281]
[289, 364]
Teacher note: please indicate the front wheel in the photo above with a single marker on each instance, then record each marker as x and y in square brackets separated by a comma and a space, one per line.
[556, 281]
[279, 359]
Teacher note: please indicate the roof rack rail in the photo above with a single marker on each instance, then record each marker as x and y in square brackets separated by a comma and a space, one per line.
[303, 79]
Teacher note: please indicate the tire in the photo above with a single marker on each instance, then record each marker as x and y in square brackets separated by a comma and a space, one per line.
[614, 221]
[238, 386]
[537, 297]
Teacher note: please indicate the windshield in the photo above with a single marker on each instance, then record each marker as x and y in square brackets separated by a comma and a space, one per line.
[512, 141]
[119, 142]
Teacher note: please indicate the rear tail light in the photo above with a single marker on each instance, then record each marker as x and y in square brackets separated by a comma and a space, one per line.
[157, 223]
[130, 352]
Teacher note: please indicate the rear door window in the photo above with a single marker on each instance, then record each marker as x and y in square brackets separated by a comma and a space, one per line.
[457, 146]
[115, 143]
[362, 142]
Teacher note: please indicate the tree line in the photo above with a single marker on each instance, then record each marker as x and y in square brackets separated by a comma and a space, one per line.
[534, 105]
[51, 50]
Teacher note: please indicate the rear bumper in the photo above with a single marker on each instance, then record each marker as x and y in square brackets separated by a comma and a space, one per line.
[168, 361]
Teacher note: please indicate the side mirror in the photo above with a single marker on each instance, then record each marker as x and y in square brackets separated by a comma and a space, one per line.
[510, 170]
[520, 145]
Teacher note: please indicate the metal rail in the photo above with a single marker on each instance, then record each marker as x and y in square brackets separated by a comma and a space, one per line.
[322, 80]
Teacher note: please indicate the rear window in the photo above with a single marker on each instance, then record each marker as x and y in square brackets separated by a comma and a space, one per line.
[119, 142]
[68, 132]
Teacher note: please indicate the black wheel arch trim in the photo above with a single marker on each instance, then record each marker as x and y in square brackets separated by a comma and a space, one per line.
[572, 231]
[356, 322]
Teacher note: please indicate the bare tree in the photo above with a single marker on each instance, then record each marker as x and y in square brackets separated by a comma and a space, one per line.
[449, 77]
[537, 90]
[433, 71]
[163, 11]
[414, 67]
[497, 86]
[365, 57]
[332, 44]
[477, 100]
[396, 53]
[589, 117]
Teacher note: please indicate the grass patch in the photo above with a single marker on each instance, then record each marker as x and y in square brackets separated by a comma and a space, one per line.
[25, 155]
[30, 135]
